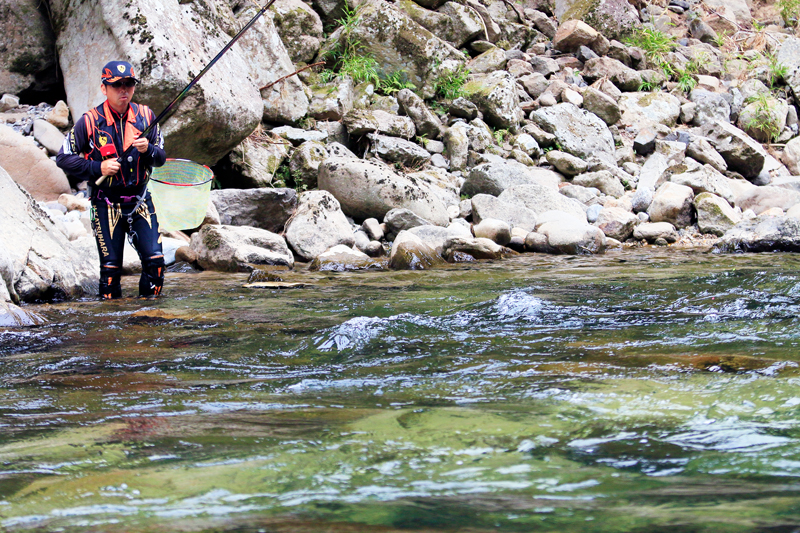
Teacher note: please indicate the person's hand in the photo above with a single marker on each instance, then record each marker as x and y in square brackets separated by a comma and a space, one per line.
[109, 167]
[141, 144]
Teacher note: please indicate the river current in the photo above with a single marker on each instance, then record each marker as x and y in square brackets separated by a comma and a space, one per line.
[639, 391]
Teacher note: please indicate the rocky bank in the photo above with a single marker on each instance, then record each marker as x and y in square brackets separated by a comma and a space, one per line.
[436, 131]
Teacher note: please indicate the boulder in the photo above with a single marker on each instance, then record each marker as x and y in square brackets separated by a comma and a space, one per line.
[496, 96]
[493, 229]
[256, 159]
[789, 55]
[701, 150]
[571, 237]
[641, 109]
[653, 231]
[494, 178]
[332, 100]
[28, 60]
[456, 143]
[30, 167]
[541, 198]
[740, 152]
[612, 18]
[579, 132]
[341, 258]
[452, 22]
[625, 78]
[317, 224]
[238, 248]
[602, 105]
[397, 150]
[437, 236]
[38, 262]
[714, 214]
[477, 247]
[59, 115]
[764, 121]
[573, 34]
[300, 29]
[304, 164]
[602, 180]
[769, 234]
[489, 61]
[399, 44]
[48, 136]
[617, 223]
[567, 164]
[13, 316]
[264, 208]
[760, 199]
[425, 122]
[672, 203]
[706, 179]
[486, 206]
[369, 189]
[362, 121]
[668, 154]
[791, 156]
[709, 107]
[399, 219]
[410, 253]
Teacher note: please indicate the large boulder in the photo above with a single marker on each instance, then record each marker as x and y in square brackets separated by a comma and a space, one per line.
[739, 150]
[239, 248]
[577, 131]
[318, 224]
[399, 44]
[672, 203]
[37, 261]
[624, 77]
[168, 44]
[759, 199]
[332, 100]
[409, 252]
[304, 164]
[496, 95]
[714, 214]
[477, 247]
[369, 189]
[641, 109]
[709, 106]
[300, 29]
[255, 160]
[566, 236]
[603, 180]
[764, 121]
[30, 167]
[264, 208]
[397, 150]
[617, 223]
[425, 121]
[613, 18]
[453, 22]
[768, 234]
[494, 178]
[362, 121]
[436, 236]
[789, 55]
[706, 179]
[486, 206]
[541, 199]
[28, 60]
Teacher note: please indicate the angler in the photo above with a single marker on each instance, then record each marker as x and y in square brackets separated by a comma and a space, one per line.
[121, 202]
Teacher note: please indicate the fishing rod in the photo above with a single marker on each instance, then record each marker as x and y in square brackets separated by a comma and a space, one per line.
[178, 99]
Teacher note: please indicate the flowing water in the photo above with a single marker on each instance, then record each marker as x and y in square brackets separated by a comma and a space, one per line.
[639, 391]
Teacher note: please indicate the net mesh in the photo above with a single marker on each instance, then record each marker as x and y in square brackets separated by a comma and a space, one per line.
[180, 190]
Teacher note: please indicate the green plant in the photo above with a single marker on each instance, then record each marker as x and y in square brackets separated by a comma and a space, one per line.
[776, 72]
[282, 177]
[656, 44]
[348, 57]
[789, 10]
[500, 136]
[763, 120]
[646, 87]
[450, 85]
[395, 82]
[362, 68]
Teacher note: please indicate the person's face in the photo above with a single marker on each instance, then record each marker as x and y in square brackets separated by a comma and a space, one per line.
[119, 93]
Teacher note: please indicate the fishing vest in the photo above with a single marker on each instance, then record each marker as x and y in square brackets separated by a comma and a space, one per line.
[104, 126]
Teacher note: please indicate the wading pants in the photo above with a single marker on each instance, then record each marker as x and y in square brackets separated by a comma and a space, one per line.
[111, 222]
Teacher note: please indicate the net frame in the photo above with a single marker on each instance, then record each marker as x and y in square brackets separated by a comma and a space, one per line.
[197, 170]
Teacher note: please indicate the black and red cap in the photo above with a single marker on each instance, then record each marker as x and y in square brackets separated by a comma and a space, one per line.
[117, 70]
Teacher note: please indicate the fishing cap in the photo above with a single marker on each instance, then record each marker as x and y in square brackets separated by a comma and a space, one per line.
[117, 70]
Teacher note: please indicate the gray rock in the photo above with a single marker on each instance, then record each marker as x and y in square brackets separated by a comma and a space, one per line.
[477, 247]
[760, 123]
[263, 208]
[603, 180]
[397, 150]
[672, 203]
[48, 136]
[705, 179]
[593, 213]
[652, 231]
[300, 29]
[238, 248]
[333, 100]
[759, 199]
[341, 258]
[425, 121]
[497, 98]
[709, 107]
[701, 150]
[625, 78]
[667, 154]
[13, 316]
[642, 109]
[645, 141]
[456, 141]
[791, 156]
[368, 189]
[362, 121]
[789, 55]
[740, 152]
[617, 223]
[579, 132]
[463, 108]
[534, 84]
[399, 219]
[572, 238]
[256, 160]
[493, 229]
[298, 136]
[317, 225]
[437, 236]
[585, 195]
[409, 252]
[373, 229]
[489, 61]
[567, 164]
[494, 178]
[304, 163]
[602, 105]
[573, 34]
[485, 206]
[29, 167]
[541, 198]
[714, 214]
[769, 234]
[339, 150]
[612, 18]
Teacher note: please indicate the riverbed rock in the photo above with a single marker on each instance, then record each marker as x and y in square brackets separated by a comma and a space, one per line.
[577, 131]
[369, 189]
[397, 150]
[602, 180]
[341, 258]
[317, 225]
[237, 248]
[425, 122]
[759, 120]
[541, 198]
[304, 164]
[494, 178]
[760, 199]
[612, 18]
[791, 156]
[741, 153]
[48, 136]
[643, 109]
[496, 96]
[332, 100]
[486, 206]
[602, 105]
[493, 229]
[567, 236]
[256, 159]
[668, 154]
[437, 236]
[477, 247]
[28, 60]
[709, 106]
[617, 223]
[456, 143]
[399, 219]
[701, 150]
[299, 27]
[768, 234]
[625, 78]
[38, 262]
[706, 179]
[567, 164]
[410, 253]
[672, 203]
[714, 214]
[363, 121]
[30, 167]
[264, 208]
[653, 231]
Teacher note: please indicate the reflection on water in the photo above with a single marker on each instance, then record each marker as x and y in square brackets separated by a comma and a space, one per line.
[631, 392]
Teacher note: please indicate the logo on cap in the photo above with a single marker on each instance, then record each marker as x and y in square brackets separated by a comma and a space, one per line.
[121, 69]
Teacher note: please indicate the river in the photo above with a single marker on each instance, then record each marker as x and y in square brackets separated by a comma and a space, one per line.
[639, 391]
